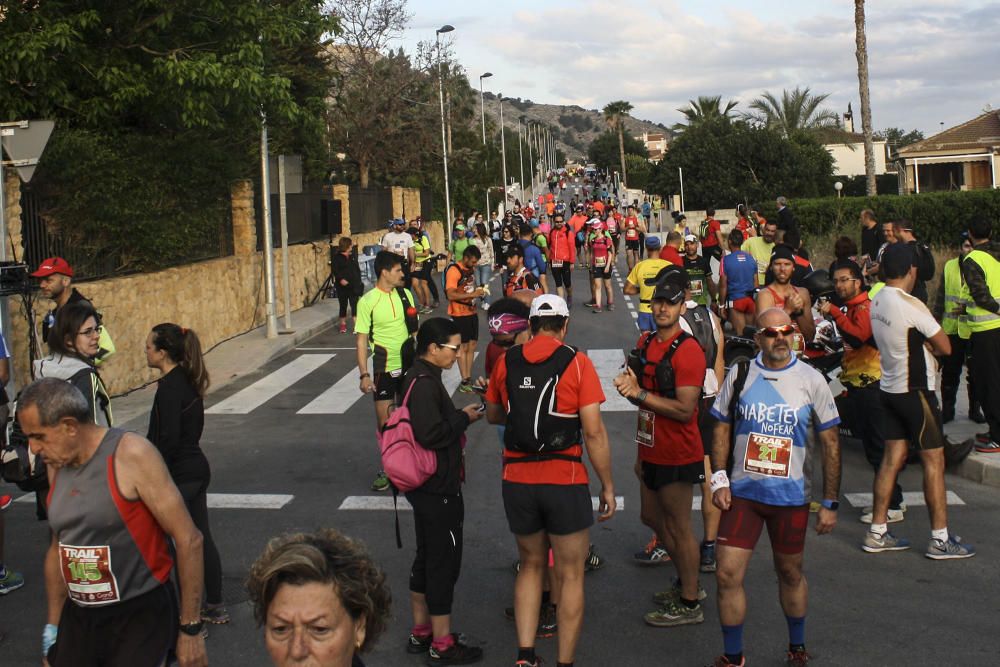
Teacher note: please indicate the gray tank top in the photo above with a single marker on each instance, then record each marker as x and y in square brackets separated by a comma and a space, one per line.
[111, 549]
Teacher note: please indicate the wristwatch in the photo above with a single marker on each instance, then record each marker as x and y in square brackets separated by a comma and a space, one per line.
[641, 396]
[192, 629]
[832, 505]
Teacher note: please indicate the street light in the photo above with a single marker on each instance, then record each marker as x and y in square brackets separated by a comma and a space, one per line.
[520, 159]
[838, 186]
[503, 152]
[482, 102]
[444, 140]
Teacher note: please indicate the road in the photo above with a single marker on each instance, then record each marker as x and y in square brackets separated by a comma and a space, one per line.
[293, 445]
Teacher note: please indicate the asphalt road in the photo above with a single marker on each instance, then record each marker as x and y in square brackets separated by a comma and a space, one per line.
[885, 609]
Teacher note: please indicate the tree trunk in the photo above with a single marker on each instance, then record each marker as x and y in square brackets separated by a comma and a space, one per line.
[621, 150]
[866, 104]
[363, 168]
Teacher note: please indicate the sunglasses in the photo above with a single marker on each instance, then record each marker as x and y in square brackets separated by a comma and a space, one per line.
[453, 348]
[773, 332]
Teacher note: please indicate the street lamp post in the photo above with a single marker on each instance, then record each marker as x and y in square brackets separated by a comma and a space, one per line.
[520, 159]
[531, 160]
[482, 102]
[503, 153]
[444, 140]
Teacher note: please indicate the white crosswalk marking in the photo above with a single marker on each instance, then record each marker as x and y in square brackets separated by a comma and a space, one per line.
[382, 503]
[911, 498]
[608, 364]
[337, 399]
[225, 501]
[243, 402]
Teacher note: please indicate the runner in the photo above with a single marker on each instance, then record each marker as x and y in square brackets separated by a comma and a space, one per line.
[400, 242]
[768, 426]
[664, 378]
[712, 240]
[562, 255]
[520, 277]
[461, 290]
[385, 324]
[760, 247]
[534, 258]
[636, 284]
[738, 277]
[793, 300]
[546, 496]
[699, 270]
[632, 228]
[908, 338]
[603, 253]
[112, 507]
[578, 223]
[421, 267]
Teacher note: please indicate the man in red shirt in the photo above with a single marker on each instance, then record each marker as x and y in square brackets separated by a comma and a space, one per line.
[664, 378]
[633, 228]
[712, 241]
[562, 254]
[545, 484]
[670, 250]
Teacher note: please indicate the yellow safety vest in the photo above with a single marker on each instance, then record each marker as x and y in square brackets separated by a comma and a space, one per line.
[981, 319]
[956, 294]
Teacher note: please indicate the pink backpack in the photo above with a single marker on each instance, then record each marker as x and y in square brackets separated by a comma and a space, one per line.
[407, 464]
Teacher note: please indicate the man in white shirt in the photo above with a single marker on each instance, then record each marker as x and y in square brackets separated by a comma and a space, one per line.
[398, 241]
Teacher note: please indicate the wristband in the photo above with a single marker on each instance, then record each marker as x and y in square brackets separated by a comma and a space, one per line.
[363, 376]
[49, 635]
[641, 397]
[720, 480]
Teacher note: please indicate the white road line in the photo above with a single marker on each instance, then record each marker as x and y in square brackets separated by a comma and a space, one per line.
[619, 503]
[452, 378]
[911, 498]
[630, 305]
[608, 364]
[382, 503]
[226, 501]
[337, 399]
[635, 316]
[271, 385]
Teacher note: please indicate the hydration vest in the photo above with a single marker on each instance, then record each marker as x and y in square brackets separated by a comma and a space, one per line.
[700, 321]
[658, 377]
[533, 424]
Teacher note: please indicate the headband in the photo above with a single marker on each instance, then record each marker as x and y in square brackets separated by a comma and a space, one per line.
[507, 323]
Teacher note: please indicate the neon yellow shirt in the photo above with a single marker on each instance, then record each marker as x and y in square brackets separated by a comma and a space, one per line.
[647, 268]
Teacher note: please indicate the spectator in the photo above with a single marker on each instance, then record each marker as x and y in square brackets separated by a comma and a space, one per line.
[347, 274]
[9, 579]
[844, 250]
[786, 219]
[922, 257]
[484, 269]
[55, 282]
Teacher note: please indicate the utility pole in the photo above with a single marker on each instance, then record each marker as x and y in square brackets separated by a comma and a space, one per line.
[520, 158]
[531, 162]
[503, 152]
[265, 192]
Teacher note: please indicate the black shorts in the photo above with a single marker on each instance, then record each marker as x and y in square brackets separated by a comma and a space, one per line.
[563, 275]
[632, 245]
[655, 476]
[913, 416]
[468, 326]
[558, 509]
[424, 272]
[389, 385]
[712, 251]
[706, 423]
[601, 272]
[138, 632]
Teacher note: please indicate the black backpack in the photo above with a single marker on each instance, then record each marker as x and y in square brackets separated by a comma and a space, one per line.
[664, 372]
[17, 464]
[533, 425]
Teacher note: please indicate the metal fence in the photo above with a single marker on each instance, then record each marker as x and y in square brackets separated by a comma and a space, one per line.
[304, 218]
[370, 208]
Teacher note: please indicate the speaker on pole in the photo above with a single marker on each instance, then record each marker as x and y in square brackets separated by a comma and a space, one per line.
[331, 218]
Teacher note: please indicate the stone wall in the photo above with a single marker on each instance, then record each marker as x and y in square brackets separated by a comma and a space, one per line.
[217, 298]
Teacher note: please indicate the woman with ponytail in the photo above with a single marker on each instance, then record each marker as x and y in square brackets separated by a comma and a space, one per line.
[175, 426]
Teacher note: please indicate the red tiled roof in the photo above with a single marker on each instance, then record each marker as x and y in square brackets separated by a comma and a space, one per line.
[980, 133]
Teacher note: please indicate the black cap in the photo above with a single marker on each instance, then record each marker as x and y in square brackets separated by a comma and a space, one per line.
[783, 252]
[897, 259]
[669, 290]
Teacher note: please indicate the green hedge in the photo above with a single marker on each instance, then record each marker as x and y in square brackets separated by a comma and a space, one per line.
[938, 217]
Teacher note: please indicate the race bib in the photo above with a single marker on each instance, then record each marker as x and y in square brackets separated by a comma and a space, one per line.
[631, 234]
[556, 265]
[88, 574]
[600, 261]
[697, 287]
[644, 431]
[768, 455]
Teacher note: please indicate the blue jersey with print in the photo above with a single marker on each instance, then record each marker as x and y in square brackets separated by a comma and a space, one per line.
[777, 418]
[740, 268]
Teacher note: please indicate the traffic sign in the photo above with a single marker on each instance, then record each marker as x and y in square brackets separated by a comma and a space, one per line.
[24, 142]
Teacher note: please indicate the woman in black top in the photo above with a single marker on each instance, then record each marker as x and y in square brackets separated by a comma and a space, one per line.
[175, 426]
[438, 507]
[347, 274]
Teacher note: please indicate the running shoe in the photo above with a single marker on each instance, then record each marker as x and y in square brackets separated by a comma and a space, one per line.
[950, 550]
[11, 581]
[991, 447]
[723, 661]
[342, 328]
[594, 562]
[673, 594]
[596, 309]
[216, 614]
[611, 306]
[797, 658]
[875, 543]
[590, 304]
[708, 563]
[653, 554]
[894, 516]
[525, 663]
[458, 653]
[418, 643]
[466, 386]
[674, 613]
[983, 437]
[546, 620]
[381, 482]
[5, 501]
[426, 309]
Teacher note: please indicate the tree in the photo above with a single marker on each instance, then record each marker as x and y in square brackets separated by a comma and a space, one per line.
[897, 138]
[705, 110]
[866, 104]
[614, 115]
[796, 110]
[604, 151]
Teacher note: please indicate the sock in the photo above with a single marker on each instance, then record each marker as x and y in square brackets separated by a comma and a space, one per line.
[879, 529]
[526, 654]
[732, 641]
[421, 630]
[796, 632]
[690, 604]
[940, 534]
[546, 597]
[443, 643]
[708, 543]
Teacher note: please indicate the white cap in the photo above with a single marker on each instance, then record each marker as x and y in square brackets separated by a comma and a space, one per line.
[692, 238]
[549, 305]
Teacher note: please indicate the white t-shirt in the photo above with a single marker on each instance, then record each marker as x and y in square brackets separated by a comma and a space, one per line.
[901, 323]
[397, 242]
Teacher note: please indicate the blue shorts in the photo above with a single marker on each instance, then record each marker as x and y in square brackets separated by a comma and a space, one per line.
[646, 322]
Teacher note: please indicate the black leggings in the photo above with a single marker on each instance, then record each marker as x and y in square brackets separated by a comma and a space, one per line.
[438, 521]
[344, 301]
[195, 494]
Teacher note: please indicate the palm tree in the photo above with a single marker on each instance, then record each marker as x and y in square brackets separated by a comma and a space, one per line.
[705, 110]
[614, 116]
[796, 110]
[866, 105]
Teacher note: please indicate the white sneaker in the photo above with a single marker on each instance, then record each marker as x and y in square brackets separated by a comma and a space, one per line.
[895, 516]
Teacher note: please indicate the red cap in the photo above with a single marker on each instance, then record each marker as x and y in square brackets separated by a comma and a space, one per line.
[53, 265]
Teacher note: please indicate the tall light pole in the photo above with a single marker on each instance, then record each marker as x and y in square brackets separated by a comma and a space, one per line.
[520, 159]
[531, 161]
[482, 102]
[444, 140]
[503, 152]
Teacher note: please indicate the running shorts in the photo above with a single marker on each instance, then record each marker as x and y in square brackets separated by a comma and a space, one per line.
[743, 305]
[558, 509]
[786, 526]
[563, 275]
[646, 322]
[468, 326]
[913, 416]
[656, 476]
[389, 385]
[632, 245]
[601, 272]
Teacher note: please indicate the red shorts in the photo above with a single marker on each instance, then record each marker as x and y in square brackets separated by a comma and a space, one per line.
[786, 526]
[744, 305]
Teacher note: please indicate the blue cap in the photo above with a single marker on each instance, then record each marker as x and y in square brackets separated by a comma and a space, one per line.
[533, 222]
[652, 242]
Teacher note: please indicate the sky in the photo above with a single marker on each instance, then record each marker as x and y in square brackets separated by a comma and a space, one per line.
[930, 61]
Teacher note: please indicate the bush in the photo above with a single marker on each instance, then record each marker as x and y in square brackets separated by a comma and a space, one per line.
[938, 217]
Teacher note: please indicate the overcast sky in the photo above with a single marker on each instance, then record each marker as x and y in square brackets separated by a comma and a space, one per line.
[930, 61]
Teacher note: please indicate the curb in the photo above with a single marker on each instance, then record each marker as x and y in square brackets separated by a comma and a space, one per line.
[982, 468]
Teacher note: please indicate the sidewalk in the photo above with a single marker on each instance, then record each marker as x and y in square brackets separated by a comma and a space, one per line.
[982, 468]
[234, 359]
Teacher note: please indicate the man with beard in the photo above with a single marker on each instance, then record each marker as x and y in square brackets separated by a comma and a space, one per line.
[793, 300]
